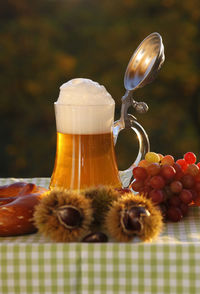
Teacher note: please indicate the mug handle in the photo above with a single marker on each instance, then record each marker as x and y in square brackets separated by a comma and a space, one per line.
[144, 145]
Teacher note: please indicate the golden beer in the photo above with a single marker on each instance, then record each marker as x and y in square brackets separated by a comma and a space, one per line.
[85, 160]
[85, 154]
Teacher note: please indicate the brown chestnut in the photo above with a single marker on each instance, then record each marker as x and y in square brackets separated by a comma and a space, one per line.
[97, 237]
[131, 223]
[69, 216]
[131, 219]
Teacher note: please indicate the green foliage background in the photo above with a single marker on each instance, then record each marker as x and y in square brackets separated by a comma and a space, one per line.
[45, 43]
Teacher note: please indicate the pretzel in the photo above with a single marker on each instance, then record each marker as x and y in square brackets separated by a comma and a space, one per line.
[17, 202]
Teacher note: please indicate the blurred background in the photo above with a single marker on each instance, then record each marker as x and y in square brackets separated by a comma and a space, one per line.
[45, 43]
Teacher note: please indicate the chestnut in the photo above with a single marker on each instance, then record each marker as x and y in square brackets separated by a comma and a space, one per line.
[131, 219]
[97, 237]
[69, 216]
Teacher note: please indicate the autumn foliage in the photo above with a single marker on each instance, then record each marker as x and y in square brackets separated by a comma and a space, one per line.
[45, 43]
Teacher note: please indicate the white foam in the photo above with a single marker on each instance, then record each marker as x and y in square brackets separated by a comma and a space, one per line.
[84, 92]
[84, 107]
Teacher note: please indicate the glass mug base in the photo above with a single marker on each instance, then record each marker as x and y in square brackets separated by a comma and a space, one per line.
[85, 160]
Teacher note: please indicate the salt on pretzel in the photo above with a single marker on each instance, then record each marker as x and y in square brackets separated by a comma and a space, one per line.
[17, 202]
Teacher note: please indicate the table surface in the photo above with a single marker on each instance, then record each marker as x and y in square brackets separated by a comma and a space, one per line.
[169, 264]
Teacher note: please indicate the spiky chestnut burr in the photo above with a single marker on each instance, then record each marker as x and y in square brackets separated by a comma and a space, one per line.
[131, 216]
[102, 198]
[63, 215]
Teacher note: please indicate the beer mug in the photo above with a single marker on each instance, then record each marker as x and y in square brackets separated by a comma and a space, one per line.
[86, 135]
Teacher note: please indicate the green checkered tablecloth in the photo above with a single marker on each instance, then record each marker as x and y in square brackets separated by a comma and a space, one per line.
[170, 264]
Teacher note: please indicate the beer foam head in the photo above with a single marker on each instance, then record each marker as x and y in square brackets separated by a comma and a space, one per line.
[84, 107]
[84, 92]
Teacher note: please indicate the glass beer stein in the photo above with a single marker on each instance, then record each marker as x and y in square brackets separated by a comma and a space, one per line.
[86, 135]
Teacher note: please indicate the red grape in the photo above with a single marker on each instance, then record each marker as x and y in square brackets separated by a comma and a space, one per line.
[168, 192]
[188, 181]
[192, 169]
[177, 167]
[147, 182]
[137, 185]
[140, 173]
[145, 190]
[197, 200]
[194, 194]
[186, 196]
[184, 209]
[143, 163]
[190, 157]
[179, 172]
[157, 196]
[157, 182]
[197, 186]
[153, 169]
[198, 164]
[168, 172]
[175, 201]
[182, 163]
[167, 159]
[197, 178]
[174, 214]
[176, 187]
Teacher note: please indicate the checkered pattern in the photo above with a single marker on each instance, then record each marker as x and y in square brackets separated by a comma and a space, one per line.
[170, 264]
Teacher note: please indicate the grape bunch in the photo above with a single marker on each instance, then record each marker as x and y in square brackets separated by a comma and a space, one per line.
[174, 186]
